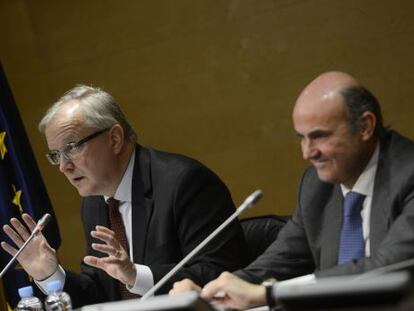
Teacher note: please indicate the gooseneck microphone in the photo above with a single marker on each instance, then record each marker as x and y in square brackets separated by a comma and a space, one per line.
[248, 203]
[39, 227]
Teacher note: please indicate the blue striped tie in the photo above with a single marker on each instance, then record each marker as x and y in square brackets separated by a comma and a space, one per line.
[351, 246]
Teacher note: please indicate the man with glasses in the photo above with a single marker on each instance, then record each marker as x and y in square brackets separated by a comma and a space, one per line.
[142, 210]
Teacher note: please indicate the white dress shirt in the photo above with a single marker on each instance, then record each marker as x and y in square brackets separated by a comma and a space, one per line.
[144, 279]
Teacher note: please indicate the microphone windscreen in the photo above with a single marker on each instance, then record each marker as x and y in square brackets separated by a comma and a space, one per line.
[42, 222]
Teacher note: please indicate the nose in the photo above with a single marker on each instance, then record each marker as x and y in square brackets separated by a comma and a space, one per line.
[65, 165]
[309, 150]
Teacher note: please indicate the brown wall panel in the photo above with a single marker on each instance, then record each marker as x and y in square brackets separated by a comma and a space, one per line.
[215, 80]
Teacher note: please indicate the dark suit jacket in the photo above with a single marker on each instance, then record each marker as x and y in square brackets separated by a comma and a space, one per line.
[309, 241]
[176, 203]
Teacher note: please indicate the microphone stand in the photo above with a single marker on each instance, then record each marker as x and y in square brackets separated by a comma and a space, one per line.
[249, 202]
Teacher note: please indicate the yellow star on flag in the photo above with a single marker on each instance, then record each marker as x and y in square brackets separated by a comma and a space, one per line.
[16, 199]
[9, 308]
[3, 148]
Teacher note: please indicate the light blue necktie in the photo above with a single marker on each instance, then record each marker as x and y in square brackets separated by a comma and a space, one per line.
[351, 246]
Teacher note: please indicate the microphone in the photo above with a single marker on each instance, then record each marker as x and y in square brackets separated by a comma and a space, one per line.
[248, 203]
[39, 227]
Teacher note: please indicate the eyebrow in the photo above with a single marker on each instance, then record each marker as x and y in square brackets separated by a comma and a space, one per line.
[314, 133]
[69, 142]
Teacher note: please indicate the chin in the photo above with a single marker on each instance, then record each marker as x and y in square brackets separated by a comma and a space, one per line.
[84, 192]
[328, 178]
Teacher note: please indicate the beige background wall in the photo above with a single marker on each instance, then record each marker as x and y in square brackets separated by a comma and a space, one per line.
[215, 80]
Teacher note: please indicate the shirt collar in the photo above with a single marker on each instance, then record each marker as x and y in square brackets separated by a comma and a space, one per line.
[365, 181]
[124, 191]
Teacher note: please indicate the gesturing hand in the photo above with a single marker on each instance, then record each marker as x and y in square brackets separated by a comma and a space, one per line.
[38, 258]
[117, 264]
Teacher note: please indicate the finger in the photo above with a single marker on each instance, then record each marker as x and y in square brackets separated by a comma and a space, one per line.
[106, 249]
[17, 239]
[179, 288]
[111, 260]
[223, 303]
[186, 285]
[20, 228]
[103, 236]
[104, 229]
[212, 289]
[93, 261]
[28, 220]
[220, 295]
[8, 248]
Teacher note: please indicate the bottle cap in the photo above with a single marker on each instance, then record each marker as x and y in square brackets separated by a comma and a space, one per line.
[54, 286]
[25, 291]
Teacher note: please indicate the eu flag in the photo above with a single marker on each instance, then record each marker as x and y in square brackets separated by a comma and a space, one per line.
[21, 187]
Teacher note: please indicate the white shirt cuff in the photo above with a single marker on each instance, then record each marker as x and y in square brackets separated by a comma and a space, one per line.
[59, 274]
[143, 282]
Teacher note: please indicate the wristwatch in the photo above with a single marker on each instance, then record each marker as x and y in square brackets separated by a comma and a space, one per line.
[270, 300]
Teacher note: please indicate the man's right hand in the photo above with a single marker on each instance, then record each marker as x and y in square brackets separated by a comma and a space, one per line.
[38, 259]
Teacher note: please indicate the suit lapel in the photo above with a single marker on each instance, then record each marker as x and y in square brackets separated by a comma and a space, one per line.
[95, 212]
[102, 214]
[381, 204]
[142, 203]
[332, 229]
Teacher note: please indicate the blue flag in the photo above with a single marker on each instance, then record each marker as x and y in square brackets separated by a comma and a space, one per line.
[21, 187]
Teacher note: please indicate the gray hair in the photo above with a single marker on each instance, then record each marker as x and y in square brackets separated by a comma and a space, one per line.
[100, 109]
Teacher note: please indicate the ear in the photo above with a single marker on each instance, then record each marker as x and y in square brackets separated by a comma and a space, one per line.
[367, 123]
[116, 138]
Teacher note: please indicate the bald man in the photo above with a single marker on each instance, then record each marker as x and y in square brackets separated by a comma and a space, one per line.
[355, 208]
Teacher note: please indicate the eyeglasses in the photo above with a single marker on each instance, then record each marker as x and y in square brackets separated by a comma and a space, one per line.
[71, 150]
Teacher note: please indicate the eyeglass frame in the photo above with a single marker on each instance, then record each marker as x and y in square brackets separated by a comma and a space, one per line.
[69, 146]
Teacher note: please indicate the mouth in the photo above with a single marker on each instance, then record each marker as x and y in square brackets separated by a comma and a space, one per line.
[77, 180]
[319, 163]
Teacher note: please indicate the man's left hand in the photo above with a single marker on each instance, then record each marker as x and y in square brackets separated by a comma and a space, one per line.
[117, 264]
[230, 291]
[184, 286]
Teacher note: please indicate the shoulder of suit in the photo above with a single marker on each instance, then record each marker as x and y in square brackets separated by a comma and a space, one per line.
[397, 142]
[398, 150]
[174, 159]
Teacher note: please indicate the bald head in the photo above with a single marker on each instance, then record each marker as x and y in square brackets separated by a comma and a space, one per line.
[337, 119]
[325, 87]
[340, 88]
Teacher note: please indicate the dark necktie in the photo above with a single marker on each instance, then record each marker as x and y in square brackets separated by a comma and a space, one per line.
[351, 246]
[116, 225]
